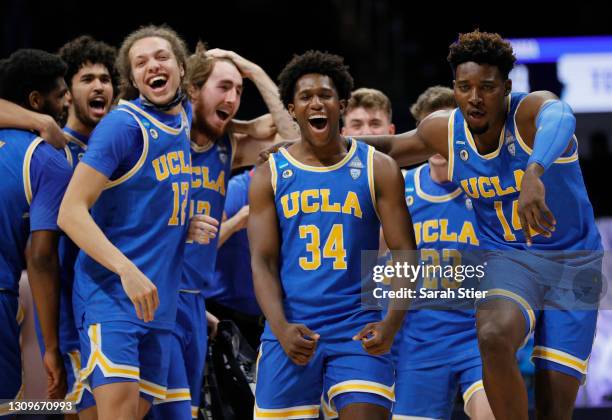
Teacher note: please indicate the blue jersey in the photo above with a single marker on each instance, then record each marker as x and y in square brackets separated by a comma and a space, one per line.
[68, 252]
[493, 182]
[143, 210]
[445, 231]
[233, 276]
[34, 179]
[326, 217]
[211, 167]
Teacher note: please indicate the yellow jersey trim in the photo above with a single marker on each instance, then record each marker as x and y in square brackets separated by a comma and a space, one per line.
[371, 181]
[201, 149]
[155, 121]
[76, 141]
[27, 182]
[153, 389]
[76, 393]
[68, 154]
[333, 167]
[472, 389]
[141, 160]
[560, 357]
[329, 412]
[432, 198]
[298, 412]
[273, 173]
[451, 144]
[518, 299]
[362, 386]
[529, 150]
[194, 412]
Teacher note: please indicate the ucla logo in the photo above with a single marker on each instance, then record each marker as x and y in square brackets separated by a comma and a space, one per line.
[355, 173]
[463, 154]
[222, 150]
[468, 204]
[153, 133]
[287, 173]
[356, 163]
[511, 149]
[410, 200]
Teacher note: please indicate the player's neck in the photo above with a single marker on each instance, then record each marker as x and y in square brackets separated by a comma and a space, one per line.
[200, 137]
[78, 126]
[488, 141]
[325, 155]
[438, 173]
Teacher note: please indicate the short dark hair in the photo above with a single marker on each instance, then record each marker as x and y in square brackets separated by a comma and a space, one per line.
[179, 49]
[482, 48]
[29, 70]
[318, 62]
[86, 50]
[433, 99]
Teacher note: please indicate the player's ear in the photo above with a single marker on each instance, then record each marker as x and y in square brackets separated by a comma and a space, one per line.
[35, 100]
[507, 87]
[342, 106]
[192, 92]
[182, 71]
[291, 110]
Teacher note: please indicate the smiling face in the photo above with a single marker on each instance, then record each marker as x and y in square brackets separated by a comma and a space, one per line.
[218, 100]
[317, 108]
[155, 71]
[480, 92]
[91, 93]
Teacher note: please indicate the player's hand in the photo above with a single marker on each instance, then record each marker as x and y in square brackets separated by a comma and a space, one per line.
[376, 337]
[299, 343]
[51, 132]
[247, 68]
[202, 229]
[265, 154]
[534, 214]
[213, 325]
[141, 291]
[56, 375]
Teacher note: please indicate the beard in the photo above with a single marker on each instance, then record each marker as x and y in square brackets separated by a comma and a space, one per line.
[212, 133]
[82, 115]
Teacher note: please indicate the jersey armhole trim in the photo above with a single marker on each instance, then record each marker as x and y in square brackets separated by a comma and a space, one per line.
[451, 145]
[27, 182]
[273, 173]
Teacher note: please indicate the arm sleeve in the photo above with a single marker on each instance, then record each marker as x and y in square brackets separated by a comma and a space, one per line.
[114, 144]
[555, 124]
[49, 177]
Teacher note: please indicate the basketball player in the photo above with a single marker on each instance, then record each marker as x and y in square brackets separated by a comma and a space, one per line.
[312, 210]
[135, 177]
[515, 156]
[368, 113]
[35, 177]
[219, 144]
[437, 348]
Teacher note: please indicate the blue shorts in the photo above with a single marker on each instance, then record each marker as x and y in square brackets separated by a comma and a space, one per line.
[430, 391]
[11, 316]
[340, 369]
[78, 393]
[558, 303]
[121, 351]
[187, 357]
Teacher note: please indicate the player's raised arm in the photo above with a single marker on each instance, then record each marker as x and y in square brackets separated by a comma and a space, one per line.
[264, 243]
[547, 124]
[417, 145]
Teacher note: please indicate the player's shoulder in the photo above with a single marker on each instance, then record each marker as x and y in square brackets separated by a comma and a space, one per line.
[435, 125]
[530, 103]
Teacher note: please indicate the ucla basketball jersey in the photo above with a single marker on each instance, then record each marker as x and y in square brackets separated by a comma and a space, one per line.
[144, 213]
[68, 253]
[327, 216]
[446, 232]
[211, 168]
[16, 149]
[493, 182]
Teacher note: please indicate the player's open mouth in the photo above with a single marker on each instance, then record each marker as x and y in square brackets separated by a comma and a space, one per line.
[158, 83]
[98, 105]
[222, 114]
[318, 122]
[476, 115]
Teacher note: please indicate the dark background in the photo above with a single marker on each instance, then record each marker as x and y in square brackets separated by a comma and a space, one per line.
[399, 47]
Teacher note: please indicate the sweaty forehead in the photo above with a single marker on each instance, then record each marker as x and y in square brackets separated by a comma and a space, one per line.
[314, 81]
[474, 71]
